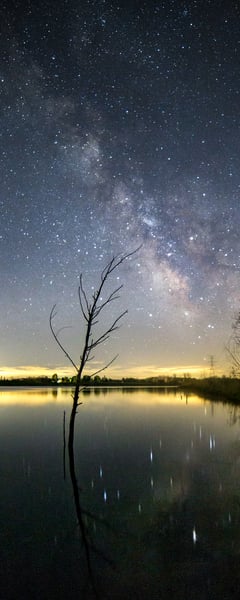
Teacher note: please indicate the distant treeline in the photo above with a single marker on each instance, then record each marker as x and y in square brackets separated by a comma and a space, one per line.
[88, 381]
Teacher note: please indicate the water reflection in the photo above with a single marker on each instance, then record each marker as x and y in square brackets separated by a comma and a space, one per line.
[33, 396]
[63, 395]
[159, 485]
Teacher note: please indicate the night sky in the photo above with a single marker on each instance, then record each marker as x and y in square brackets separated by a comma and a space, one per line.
[119, 128]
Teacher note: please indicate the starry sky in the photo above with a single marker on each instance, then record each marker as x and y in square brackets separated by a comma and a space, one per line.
[119, 128]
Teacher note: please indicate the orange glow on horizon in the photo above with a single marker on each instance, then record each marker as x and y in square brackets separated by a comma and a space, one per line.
[115, 372]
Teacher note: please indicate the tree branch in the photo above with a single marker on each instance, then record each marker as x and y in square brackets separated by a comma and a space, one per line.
[104, 368]
[53, 314]
[102, 338]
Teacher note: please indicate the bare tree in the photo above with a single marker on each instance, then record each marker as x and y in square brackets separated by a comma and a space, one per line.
[233, 346]
[92, 310]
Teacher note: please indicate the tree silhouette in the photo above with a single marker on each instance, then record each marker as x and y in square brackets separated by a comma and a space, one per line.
[92, 310]
[233, 346]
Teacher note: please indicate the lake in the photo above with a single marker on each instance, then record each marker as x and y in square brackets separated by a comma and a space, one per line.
[159, 489]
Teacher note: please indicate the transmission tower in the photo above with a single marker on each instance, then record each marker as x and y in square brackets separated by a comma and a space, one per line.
[212, 365]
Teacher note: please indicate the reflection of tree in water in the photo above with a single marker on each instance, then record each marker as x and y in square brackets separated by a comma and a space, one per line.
[84, 518]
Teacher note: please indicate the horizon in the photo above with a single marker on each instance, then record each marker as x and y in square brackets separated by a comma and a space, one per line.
[196, 371]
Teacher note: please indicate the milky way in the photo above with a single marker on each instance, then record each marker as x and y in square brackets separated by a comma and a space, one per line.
[119, 128]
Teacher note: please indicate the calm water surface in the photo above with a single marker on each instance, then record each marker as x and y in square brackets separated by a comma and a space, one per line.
[159, 479]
